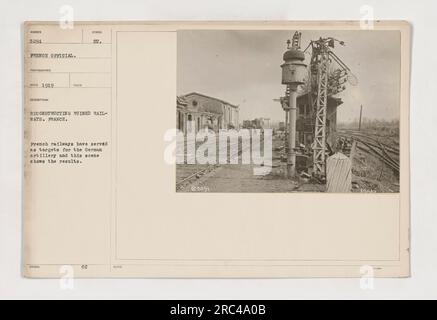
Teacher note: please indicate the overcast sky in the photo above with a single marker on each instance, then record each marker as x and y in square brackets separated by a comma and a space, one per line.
[243, 68]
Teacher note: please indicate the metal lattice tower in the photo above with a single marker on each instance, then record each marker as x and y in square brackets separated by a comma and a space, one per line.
[323, 83]
[321, 105]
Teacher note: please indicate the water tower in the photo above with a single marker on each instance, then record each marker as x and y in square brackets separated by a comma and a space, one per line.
[294, 73]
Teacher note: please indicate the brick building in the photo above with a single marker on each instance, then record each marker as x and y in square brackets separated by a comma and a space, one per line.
[205, 112]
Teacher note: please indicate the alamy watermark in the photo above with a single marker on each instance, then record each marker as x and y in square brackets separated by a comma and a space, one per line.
[66, 279]
[367, 277]
[253, 146]
[367, 17]
[66, 18]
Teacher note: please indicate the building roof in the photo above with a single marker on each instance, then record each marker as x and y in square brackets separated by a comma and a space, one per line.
[209, 97]
[293, 54]
[181, 101]
[334, 99]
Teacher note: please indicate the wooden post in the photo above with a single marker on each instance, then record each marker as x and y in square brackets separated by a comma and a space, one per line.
[338, 173]
[353, 150]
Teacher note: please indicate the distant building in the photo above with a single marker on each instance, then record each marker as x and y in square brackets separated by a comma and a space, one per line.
[258, 123]
[205, 112]
[266, 123]
[247, 124]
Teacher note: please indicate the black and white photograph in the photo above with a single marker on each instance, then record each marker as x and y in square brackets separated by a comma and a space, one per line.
[265, 111]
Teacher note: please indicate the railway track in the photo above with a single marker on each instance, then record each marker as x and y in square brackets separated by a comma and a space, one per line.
[192, 172]
[372, 140]
[372, 145]
[195, 175]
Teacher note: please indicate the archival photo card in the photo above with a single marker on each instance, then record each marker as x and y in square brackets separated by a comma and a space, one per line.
[216, 149]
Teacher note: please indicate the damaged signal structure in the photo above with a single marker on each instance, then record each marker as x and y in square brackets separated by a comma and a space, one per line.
[311, 114]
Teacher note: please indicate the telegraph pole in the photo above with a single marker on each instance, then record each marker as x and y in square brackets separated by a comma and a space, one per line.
[361, 112]
[291, 160]
[286, 129]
